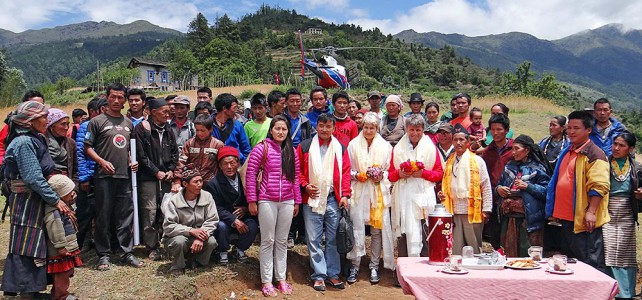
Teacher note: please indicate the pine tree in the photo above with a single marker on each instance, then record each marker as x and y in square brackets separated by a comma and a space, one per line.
[199, 33]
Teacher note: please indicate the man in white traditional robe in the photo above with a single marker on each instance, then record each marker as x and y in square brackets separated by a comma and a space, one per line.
[413, 194]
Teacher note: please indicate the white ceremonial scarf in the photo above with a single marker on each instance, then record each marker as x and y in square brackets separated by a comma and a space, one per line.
[461, 172]
[322, 171]
[364, 195]
[412, 196]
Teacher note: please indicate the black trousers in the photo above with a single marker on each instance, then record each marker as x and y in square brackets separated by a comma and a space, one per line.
[587, 247]
[297, 228]
[492, 229]
[113, 207]
[85, 213]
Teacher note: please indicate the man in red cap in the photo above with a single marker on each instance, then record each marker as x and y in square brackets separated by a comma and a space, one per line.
[229, 195]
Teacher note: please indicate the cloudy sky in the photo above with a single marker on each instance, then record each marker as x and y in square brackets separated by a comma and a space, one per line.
[548, 19]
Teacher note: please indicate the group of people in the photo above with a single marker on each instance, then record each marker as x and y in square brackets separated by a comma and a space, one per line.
[207, 180]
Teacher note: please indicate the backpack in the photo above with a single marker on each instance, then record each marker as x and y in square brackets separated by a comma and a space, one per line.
[4, 190]
[345, 233]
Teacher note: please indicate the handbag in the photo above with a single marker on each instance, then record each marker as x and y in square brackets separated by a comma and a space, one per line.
[345, 233]
[259, 174]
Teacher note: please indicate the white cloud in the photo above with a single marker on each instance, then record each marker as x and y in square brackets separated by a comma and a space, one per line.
[548, 19]
[166, 13]
[358, 12]
[335, 4]
[18, 16]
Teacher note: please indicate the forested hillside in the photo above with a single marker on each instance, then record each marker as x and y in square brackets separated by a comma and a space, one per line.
[264, 43]
[77, 58]
[606, 59]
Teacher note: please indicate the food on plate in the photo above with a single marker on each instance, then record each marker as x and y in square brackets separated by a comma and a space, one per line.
[522, 263]
[486, 248]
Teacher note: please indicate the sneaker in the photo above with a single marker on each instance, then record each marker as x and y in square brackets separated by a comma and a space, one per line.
[240, 255]
[222, 258]
[290, 243]
[374, 276]
[354, 273]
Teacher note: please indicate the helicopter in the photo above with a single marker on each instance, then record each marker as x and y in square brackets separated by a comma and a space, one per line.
[330, 74]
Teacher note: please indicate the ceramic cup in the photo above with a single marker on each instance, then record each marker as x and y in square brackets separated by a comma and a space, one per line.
[535, 252]
[455, 262]
[468, 251]
[558, 262]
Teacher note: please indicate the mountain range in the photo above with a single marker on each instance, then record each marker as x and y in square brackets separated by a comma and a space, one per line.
[606, 59]
[44, 55]
[82, 30]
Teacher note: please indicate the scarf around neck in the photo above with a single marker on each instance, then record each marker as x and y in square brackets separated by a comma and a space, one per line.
[368, 196]
[322, 171]
[413, 198]
[468, 185]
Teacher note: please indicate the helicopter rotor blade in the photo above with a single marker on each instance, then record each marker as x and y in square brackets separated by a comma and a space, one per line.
[354, 48]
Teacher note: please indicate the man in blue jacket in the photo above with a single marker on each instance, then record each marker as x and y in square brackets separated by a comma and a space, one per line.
[300, 125]
[85, 205]
[226, 128]
[319, 100]
[606, 127]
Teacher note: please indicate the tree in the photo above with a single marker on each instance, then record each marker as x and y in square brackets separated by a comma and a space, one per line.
[199, 33]
[64, 83]
[12, 83]
[3, 66]
[183, 66]
[524, 76]
[224, 27]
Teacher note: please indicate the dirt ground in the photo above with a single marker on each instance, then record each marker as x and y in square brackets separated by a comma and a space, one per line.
[214, 282]
[242, 279]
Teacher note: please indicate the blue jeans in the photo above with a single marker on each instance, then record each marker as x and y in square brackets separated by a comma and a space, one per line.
[325, 264]
[222, 235]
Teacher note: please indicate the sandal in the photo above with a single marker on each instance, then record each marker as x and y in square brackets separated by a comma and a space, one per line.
[133, 261]
[285, 288]
[319, 286]
[336, 283]
[103, 264]
[269, 291]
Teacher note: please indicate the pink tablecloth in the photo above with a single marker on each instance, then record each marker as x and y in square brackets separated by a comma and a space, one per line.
[425, 281]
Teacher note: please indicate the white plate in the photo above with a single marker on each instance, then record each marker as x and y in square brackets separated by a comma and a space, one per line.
[537, 266]
[471, 264]
[567, 272]
[449, 271]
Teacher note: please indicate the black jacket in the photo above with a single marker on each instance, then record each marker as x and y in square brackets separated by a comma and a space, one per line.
[226, 197]
[150, 154]
[636, 176]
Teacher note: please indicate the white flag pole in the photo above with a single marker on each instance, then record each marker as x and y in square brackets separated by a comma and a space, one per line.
[132, 147]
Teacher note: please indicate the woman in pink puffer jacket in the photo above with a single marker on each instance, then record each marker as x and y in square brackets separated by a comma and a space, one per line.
[278, 199]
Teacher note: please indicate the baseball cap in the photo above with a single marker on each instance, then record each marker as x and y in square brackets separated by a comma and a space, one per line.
[181, 99]
[447, 127]
[374, 93]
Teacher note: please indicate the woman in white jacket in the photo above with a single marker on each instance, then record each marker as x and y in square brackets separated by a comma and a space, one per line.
[371, 198]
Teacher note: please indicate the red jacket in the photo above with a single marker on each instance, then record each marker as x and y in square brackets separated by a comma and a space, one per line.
[344, 190]
[435, 175]
[3, 135]
[345, 130]
[496, 159]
